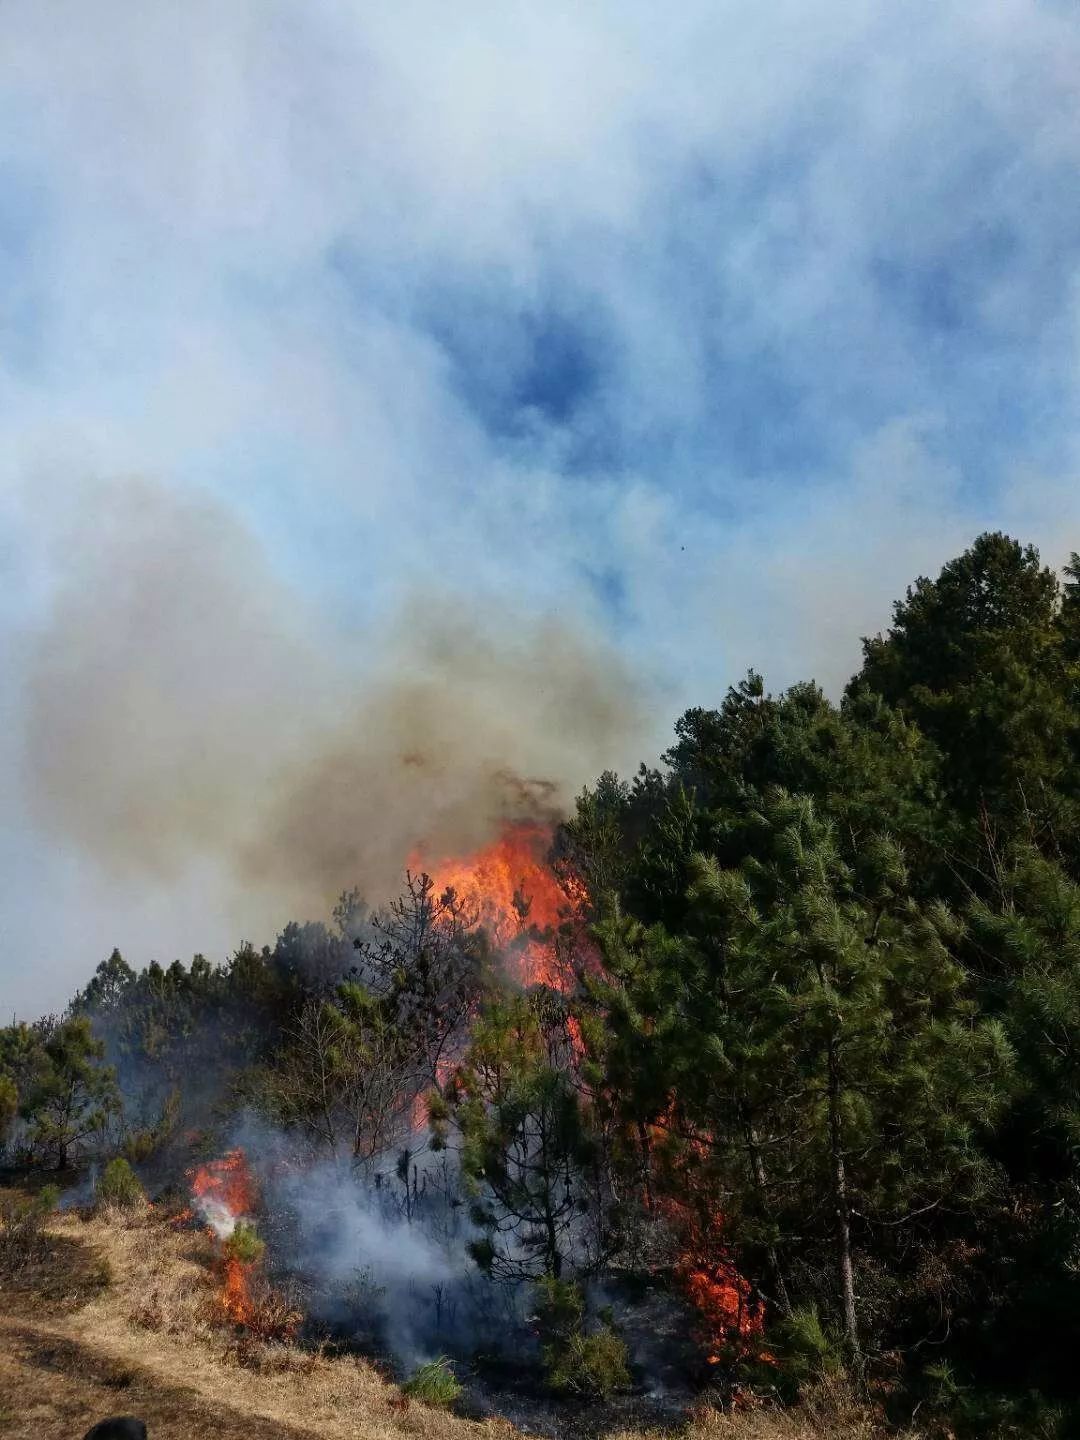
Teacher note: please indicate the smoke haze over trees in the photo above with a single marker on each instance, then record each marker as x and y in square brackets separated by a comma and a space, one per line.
[800, 1048]
[186, 712]
[701, 332]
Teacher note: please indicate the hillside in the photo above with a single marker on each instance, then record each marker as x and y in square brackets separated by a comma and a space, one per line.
[119, 1315]
[760, 1069]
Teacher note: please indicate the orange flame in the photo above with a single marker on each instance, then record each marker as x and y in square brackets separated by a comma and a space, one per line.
[731, 1317]
[509, 888]
[222, 1191]
[226, 1181]
[235, 1296]
[723, 1300]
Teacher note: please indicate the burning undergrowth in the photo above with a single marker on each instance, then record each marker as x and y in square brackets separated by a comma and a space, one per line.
[421, 1147]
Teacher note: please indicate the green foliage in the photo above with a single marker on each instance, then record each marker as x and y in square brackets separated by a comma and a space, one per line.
[577, 1361]
[9, 1107]
[807, 1350]
[113, 981]
[806, 1035]
[22, 1225]
[560, 1308]
[65, 1095]
[838, 1004]
[118, 1185]
[244, 1243]
[976, 1414]
[979, 659]
[433, 1383]
[525, 1146]
[589, 1364]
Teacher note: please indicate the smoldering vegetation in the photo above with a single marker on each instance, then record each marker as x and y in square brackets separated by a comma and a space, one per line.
[184, 705]
[382, 1256]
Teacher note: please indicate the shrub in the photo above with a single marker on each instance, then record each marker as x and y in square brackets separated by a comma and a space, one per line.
[22, 1226]
[560, 1309]
[971, 1412]
[141, 1144]
[9, 1107]
[577, 1362]
[119, 1185]
[244, 1243]
[100, 1274]
[433, 1384]
[588, 1364]
[806, 1351]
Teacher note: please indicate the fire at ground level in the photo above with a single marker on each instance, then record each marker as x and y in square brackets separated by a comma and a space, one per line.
[672, 1324]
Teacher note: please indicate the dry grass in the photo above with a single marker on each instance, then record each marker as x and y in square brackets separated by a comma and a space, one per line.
[832, 1412]
[124, 1319]
[144, 1337]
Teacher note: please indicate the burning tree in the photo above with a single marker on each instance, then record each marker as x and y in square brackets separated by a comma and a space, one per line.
[509, 891]
[355, 1065]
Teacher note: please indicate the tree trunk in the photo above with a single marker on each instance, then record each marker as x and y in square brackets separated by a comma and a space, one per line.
[843, 1216]
[646, 1163]
[761, 1181]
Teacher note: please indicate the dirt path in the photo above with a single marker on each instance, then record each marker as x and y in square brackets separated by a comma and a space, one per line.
[54, 1385]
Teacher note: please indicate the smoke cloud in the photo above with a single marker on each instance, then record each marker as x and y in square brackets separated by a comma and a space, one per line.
[183, 704]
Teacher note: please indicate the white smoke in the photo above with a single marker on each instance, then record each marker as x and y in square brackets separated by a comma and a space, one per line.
[215, 1213]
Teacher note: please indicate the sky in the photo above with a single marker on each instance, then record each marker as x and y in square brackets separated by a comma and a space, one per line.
[378, 381]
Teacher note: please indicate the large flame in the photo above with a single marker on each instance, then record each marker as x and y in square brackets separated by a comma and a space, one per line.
[509, 888]
[222, 1191]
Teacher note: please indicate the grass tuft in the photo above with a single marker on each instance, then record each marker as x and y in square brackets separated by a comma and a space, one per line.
[433, 1383]
[244, 1243]
[118, 1186]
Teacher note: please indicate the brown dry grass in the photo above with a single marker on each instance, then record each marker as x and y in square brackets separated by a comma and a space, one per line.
[124, 1321]
[832, 1412]
[122, 1318]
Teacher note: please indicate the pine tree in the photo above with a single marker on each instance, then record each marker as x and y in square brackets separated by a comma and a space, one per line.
[807, 1036]
[525, 1143]
[73, 1094]
[977, 659]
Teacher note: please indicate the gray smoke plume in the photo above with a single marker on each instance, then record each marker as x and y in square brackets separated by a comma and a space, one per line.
[184, 705]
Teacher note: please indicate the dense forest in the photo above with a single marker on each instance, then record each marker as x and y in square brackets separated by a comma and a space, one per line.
[802, 1043]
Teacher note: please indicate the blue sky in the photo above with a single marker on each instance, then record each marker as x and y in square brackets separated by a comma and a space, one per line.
[697, 333]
